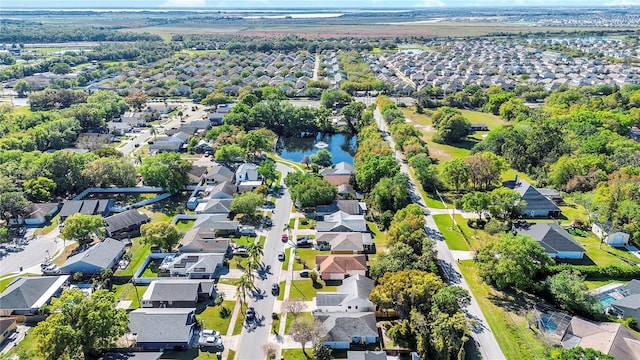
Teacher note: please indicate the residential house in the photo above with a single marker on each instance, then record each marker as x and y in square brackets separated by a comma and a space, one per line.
[609, 338]
[202, 147]
[204, 240]
[195, 174]
[8, 326]
[192, 266]
[345, 242]
[339, 267]
[537, 204]
[629, 305]
[215, 206]
[224, 190]
[341, 221]
[87, 207]
[218, 174]
[338, 174]
[125, 224]
[351, 296]
[134, 119]
[351, 207]
[340, 330]
[611, 238]
[93, 141]
[366, 355]
[556, 241]
[26, 295]
[163, 328]
[160, 146]
[177, 293]
[347, 192]
[37, 214]
[247, 177]
[101, 256]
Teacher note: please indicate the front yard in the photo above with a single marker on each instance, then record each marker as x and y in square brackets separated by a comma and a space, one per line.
[212, 316]
[305, 289]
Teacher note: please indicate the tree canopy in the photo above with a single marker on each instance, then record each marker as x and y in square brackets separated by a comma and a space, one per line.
[161, 233]
[166, 170]
[79, 227]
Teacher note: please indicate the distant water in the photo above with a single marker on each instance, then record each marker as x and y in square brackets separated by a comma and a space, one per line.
[342, 147]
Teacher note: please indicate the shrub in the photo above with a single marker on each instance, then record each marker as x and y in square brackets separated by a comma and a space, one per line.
[494, 226]
[225, 312]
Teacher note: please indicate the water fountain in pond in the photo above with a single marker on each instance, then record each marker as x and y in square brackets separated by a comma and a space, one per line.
[321, 145]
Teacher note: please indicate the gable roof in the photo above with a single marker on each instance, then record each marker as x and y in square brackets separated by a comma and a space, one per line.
[633, 286]
[203, 239]
[341, 168]
[342, 220]
[628, 302]
[341, 263]
[343, 326]
[337, 179]
[607, 337]
[351, 207]
[41, 210]
[124, 220]
[223, 187]
[206, 219]
[535, 200]
[215, 206]
[30, 292]
[89, 207]
[198, 171]
[100, 255]
[172, 325]
[219, 170]
[172, 290]
[551, 236]
[366, 355]
[353, 287]
[345, 241]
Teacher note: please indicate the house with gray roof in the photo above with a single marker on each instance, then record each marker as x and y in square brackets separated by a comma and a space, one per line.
[556, 241]
[247, 177]
[125, 224]
[87, 207]
[345, 242]
[191, 265]
[132, 355]
[181, 293]
[351, 296]
[205, 240]
[341, 221]
[160, 146]
[366, 355]
[214, 206]
[223, 190]
[101, 256]
[538, 205]
[163, 328]
[26, 295]
[629, 305]
[340, 330]
[37, 214]
[351, 207]
[218, 174]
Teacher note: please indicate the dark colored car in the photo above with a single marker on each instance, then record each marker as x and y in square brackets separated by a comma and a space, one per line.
[251, 314]
[275, 288]
[304, 241]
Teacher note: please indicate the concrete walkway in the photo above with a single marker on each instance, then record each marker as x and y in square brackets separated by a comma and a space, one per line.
[230, 341]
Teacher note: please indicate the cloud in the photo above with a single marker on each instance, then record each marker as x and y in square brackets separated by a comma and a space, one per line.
[429, 3]
[184, 3]
[622, 3]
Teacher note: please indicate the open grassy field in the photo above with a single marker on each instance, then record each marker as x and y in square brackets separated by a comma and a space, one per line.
[453, 238]
[211, 316]
[305, 289]
[511, 328]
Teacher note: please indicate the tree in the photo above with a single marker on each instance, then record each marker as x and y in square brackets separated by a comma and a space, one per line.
[309, 190]
[303, 330]
[110, 171]
[267, 169]
[485, 170]
[40, 188]
[426, 172]
[13, 205]
[452, 129]
[112, 103]
[406, 290]
[579, 353]
[374, 168]
[60, 68]
[352, 114]
[450, 300]
[571, 293]
[293, 307]
[476, 202]
[89, 115]
[254, 142]
[216, 98]
[321, 352]
[455, 173]
[22, 87]
[137, 100]
[401, 256]
[506, 203]
[333, 97]
[79, 227]
[166, 170]
[232, 152]
[270, 350]
[512, 260]
[246, 203]
[449, 332]
[79, 326]
[322, 158]
[161, 233]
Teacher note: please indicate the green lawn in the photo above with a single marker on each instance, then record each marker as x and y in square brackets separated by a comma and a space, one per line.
[237, 328]
[512, 331]
[285, 263]
[261, 240]
[185, 225]
[211, 318]
[294, 354]
[51, 224]
[307, 257]
[139, 251]
[603, 254]
[151, 270]
[431, 200]
[244, 240]
[379, 237]
[303, 315]
[238, 262]
[232, 355]
[305, 289]
[453, 238]
[128, 292]
[594, 284]
[26, 348]
[292, 223]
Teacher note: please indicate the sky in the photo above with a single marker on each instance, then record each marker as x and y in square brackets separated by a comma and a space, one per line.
[302, 4]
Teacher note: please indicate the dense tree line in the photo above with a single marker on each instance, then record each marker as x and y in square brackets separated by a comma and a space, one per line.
[53, 33]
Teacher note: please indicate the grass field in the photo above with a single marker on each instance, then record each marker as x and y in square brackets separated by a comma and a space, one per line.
[602, 254]
[211, 318]
[305, 289]
[130, 292]
[185, 225]
[294, 354]
[379, 237]
[290, 318]
[307, 259]
[50, 225]
[511, 329]
[453, 238]
[139, 251]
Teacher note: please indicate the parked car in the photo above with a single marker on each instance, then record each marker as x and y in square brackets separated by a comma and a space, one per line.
[281, 256]
[304, 273]
[304, 241]
[275, 288]
[268, 222]
[251, 314]
[285, 237]
[269, 205]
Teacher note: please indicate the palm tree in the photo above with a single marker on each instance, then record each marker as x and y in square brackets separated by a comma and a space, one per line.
[244, 284]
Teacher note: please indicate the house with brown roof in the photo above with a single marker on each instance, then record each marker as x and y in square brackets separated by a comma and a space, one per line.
[204, 240]
[339, 267]
[607, 337]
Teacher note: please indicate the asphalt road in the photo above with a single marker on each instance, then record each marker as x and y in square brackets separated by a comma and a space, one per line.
[252, 338]
[481, 333]
[38, 249]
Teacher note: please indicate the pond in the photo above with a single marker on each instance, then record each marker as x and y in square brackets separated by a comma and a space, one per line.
[341, 146]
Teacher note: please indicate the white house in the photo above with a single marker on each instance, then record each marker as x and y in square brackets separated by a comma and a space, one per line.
[247, 177]
[616, 238]
[351, 296]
